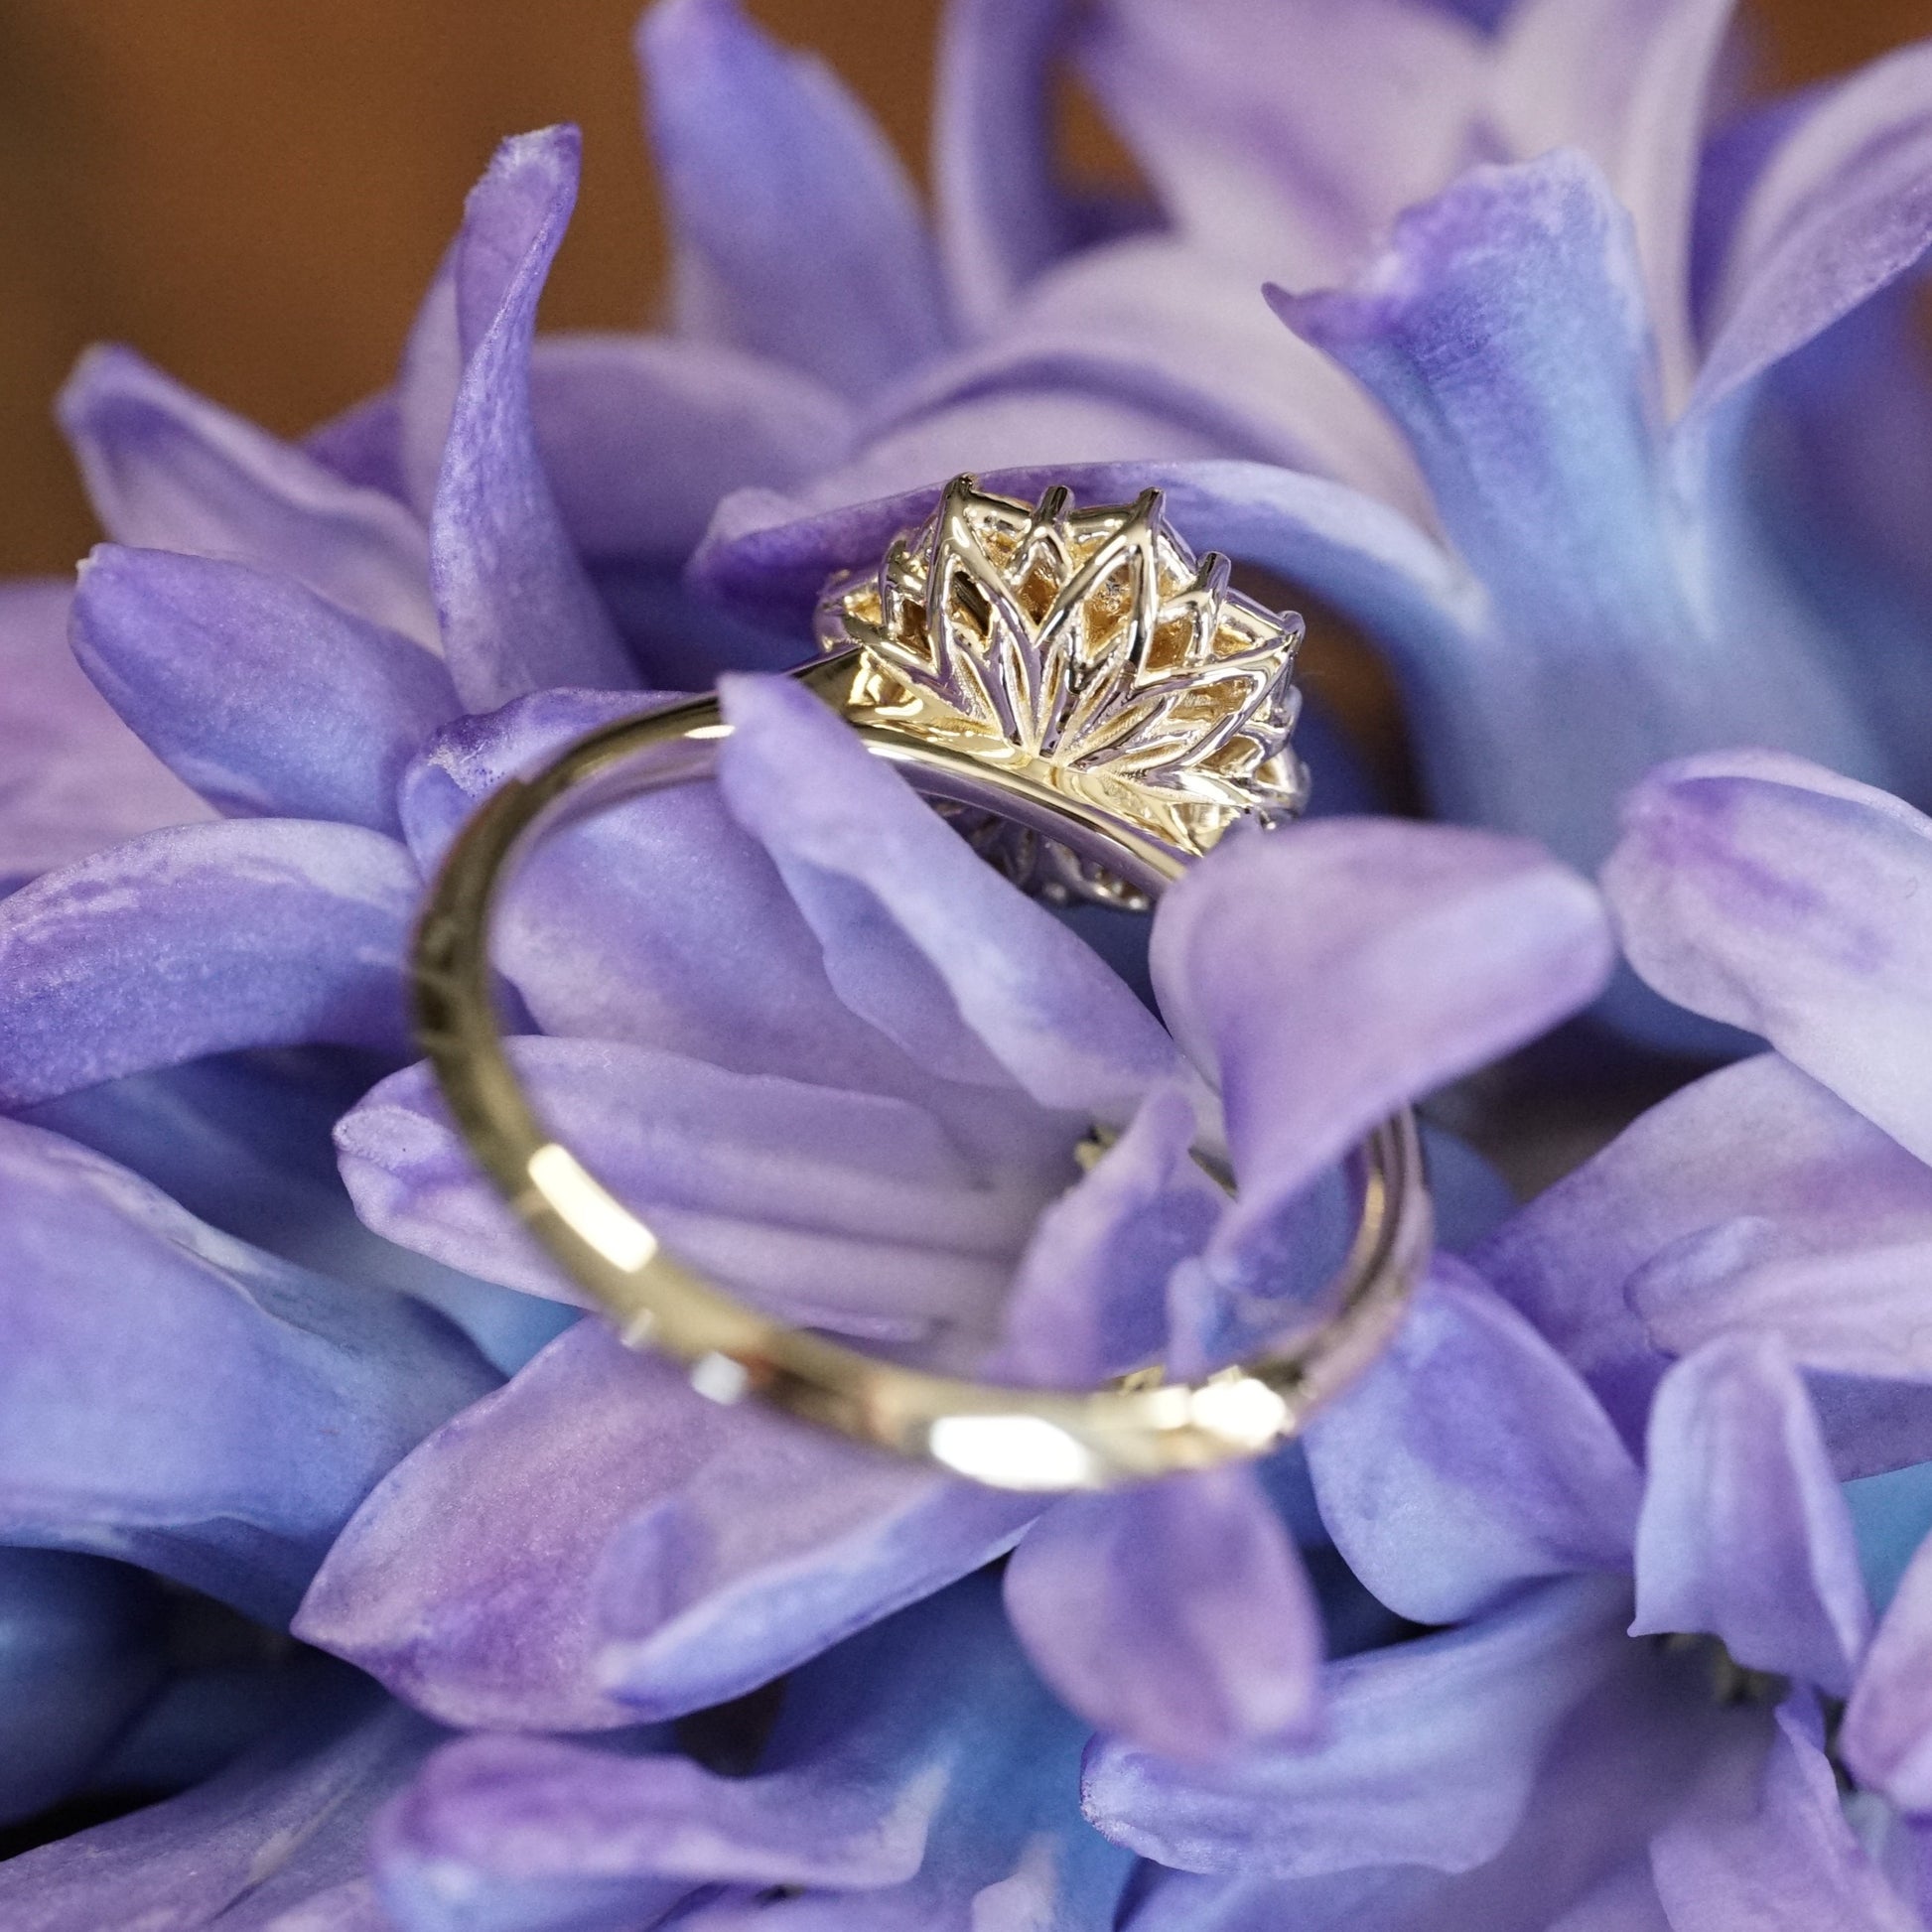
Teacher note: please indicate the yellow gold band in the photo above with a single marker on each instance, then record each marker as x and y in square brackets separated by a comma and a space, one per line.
[1008, 1437]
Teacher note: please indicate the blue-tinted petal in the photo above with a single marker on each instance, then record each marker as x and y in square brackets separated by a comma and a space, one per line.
[1430, 1754]
[1763, 1843]
[797, 232]
[1840, 208]
[244, 1143]
[178, 1399]
[79, 1655]
[835, 1208]
[262, 932]
[1775, 895]
[283, 1827]
[517, 612]
[1507, 330]
[169, 470]
[642, 435]
[917, 1749]
[1175, 1615]
[925, 940]
[270, 700]
[1744, 1532]
[705, 1551]
[1470, 1460]
[1328, 975]
[1003, 213]
[75, 778]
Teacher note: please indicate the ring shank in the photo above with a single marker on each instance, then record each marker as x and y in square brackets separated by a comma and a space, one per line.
[1008, 1437]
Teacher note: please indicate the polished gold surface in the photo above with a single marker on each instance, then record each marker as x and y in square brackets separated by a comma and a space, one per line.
[1085, 643]
[1010, 1438]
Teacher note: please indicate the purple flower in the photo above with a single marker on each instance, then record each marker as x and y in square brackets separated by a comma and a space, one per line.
[1736, 1289]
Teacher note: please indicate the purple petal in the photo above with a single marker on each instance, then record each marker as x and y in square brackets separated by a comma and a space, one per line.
[1091, 1298]
[770, 557]
[921, 936]
[1756, 1148]
[178, 1399]
[1515, 299]
[244, 1143]
[706, 1549]
[1887, 1740]
[1175, 1615]
[1003, 214]
[270, 700]
[880, 1747]
[1341, 968]
[264, 932]
[517, 609]
[837, 1210]
[75, 779]
[1236, 115]
[665, 925]
[1430, 1754]
[1153, 324]
[1777, 897]
[1470, 1460]
[426, 386]
[283, 1828]
[797, 233]
[1842, 207]
[1577, 1861]
[717, 421]
[1627, 81]
[1764, 1846]
[169, 470]
[1744, 1532]
[362, 445]
[80, 1656]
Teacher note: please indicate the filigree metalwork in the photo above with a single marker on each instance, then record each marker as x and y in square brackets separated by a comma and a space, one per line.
[1089, 641]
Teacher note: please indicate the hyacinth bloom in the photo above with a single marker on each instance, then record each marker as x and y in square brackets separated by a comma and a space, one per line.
[862, 1120]
[847, 1069]
[1731, 1298]
[1656, 317]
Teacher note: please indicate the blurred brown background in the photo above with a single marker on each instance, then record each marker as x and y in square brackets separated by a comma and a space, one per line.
[254, 192]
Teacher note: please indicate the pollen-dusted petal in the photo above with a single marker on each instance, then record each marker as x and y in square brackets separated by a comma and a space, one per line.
[252, 932]
[270, 700]
[516, 610]
[169, 470]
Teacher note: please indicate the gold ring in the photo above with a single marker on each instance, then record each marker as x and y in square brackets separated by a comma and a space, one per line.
[1078, 677]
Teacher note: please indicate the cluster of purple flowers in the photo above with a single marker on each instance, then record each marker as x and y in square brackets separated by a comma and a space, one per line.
[350, 1582]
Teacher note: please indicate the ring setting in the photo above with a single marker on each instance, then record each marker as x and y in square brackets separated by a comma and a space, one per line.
[1095, 709]
[1089, 646]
